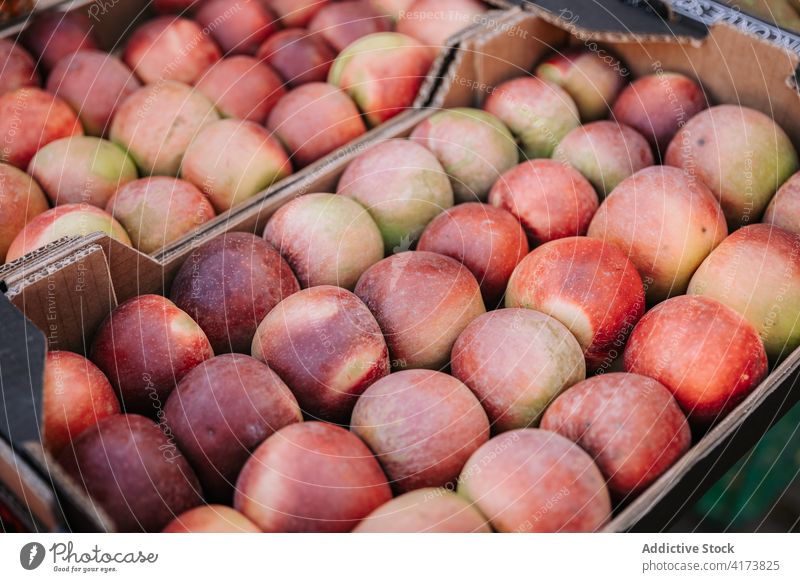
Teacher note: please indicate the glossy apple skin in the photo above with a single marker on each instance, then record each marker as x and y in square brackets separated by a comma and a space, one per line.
[158, 122]
[156, 51]
[755, 271]
[630, 425]
[550, 199]
[229, 284]
[82, 169]
[538, 113]
[383, 73]
[133, 471]
[237, 27]
[221, 411]
[242, 87]
[783, 210]
[605, 153]
[76, 395]
[487, 240]
[298, 56]
[516, 361]
[422, 302]
[326, 345]
[22, 200]
[402, 185]
[94, 84]
[658, 105]
[53, 35]
[326, 239]
[343, 23]
[311, 477]
[593, 81]
[422, 426]
[144, 347]
[654, 206]
[589, 286]
[29, 120]
[232, 161]
[158, 210]
[473, 146]
[211, 519]
[427, 510]
[705, 353]
[531, 480]
[19, 68]
[295, 12]
[740, 153]
[61, 221]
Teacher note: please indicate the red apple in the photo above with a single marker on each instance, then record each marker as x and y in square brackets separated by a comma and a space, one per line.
[487, 240]
[630, 424]
[516, 361]
[238, 26]
[343, 23]
[295, 12]
[221, 411]
[310, 477]
[433, 22]
[21, 200]
[76, 395]
[326, 345]
[18, 68]
[298, 56]
[53, 35]
[531, 480]
[784, 209]
[551, 200]
[589, 286]
[211, 519]
[422, 302]
[145, 346]
[705, 353]
[229, 284]
[133, 471]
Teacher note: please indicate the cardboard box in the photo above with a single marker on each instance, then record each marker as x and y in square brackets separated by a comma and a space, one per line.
[67, 290]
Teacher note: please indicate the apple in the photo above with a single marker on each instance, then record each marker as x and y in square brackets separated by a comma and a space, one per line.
[159, 210]
[134, 472]
[531, 480]
[94, 84]
[144, 347]
[326, 345]
[310, 477]
[52, 35]
[427, 510]
[170, 49]
[630, 424]
[755, 272]
[474, 148]
[705, 353]
[242, 87]
[158, 122]
[783, 210]
[232, 160]
[79, 169]
[229, 284]
[550, 199]
[402, 185]
[516, 361]
[605, 153]
[538, 113]
[591, 79]
[382, 72]
[422, 302]
[21, 200]
[211, 519]
[238, 26]
[19, 68]
[487, 240]
[29, 120]
[741, 154]
[665, 222]
[221, 411]
[342, 23]
[295, 12]
[62, 221]
[76, 395]
[298, 56]
[326, 239]
[588, 285]
[433, 22]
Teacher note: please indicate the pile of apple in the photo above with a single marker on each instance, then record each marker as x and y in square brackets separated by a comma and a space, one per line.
[509, 321]
[210, 103]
